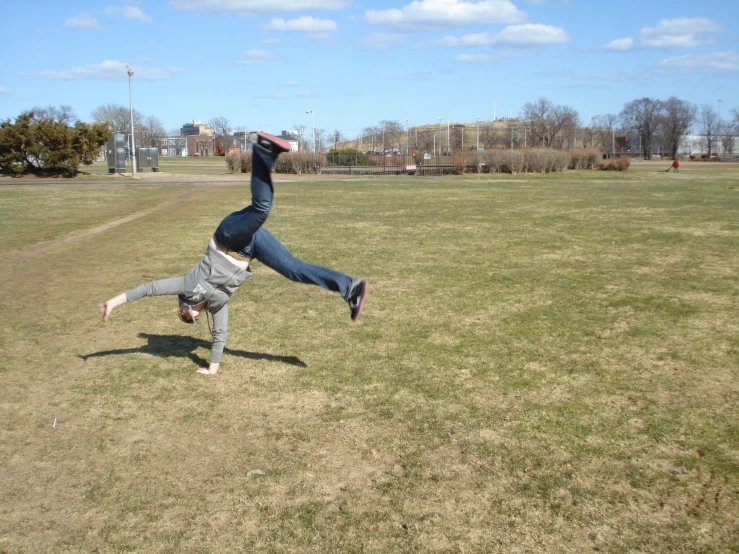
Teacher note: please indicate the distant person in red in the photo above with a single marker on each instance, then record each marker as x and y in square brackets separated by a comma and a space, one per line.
[675, 166]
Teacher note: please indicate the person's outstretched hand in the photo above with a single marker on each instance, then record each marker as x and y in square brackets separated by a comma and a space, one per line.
[107, 307]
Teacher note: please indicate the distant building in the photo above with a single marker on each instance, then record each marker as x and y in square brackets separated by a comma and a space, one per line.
[173, 146]
[201, 145]
[196, 128]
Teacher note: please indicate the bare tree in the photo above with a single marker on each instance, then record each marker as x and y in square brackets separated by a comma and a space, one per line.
[220, 126]
[301, 132]
[372, 134]
[643, 116]
[61, 114]
[537, 113]
[604, 132]
[727, 143]
[152, 132]
[117, 117]
[550, 124]
[489, 137]
[709, 127]
[735, 119]
[337, 138]
[678, 118]
[320, 137]
[393, 131]
[563, 125]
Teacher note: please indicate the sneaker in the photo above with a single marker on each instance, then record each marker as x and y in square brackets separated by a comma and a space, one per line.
[272, 143]
[356, 298]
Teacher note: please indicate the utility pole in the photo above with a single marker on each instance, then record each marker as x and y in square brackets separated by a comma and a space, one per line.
[478, 132]
[439, 138]
[313, 126]
[133, 138]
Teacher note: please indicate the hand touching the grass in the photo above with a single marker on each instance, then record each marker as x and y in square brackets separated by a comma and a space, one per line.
[107, 307]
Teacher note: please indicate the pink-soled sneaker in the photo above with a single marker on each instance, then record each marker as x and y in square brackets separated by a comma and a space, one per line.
[272, 143]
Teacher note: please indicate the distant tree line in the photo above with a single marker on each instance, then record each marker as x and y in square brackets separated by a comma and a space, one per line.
[648, 123]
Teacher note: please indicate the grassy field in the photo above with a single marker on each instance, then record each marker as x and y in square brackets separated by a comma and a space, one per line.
[544, 364]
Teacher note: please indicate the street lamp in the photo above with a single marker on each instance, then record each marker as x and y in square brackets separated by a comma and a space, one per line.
[407, 137]
[719, 125]
[313, 126]
[130, 105]
[439, 139]
[478, 132]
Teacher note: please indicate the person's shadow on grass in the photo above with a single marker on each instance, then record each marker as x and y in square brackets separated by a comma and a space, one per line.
[164, 346]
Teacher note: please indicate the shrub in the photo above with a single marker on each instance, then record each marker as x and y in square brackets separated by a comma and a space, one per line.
[346, 157]
[299, 162]
[546, 160]
[47, 146]
[623, 163]
[245, 162]
[619, 164]
[585, 158]
[233, 162]
[474, 162]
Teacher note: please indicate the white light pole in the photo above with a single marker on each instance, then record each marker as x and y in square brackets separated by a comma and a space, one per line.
[440, 138]
[407, 137]
[478, 132]
[313, 126]
[719, 125]
[130, 105]
[447, 136]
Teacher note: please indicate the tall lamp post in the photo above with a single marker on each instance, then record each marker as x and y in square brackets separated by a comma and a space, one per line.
[719, 125]
[130, 105]
[407, 137]
[313, 127]
[439, 138]
[478, 132]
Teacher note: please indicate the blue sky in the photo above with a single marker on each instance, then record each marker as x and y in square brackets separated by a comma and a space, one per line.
[263, 63]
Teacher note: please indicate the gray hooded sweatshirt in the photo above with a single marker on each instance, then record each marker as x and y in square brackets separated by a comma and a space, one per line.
[214, 279]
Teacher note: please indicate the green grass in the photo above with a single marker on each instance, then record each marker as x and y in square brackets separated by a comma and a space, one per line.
[214, 165]
[544, 364]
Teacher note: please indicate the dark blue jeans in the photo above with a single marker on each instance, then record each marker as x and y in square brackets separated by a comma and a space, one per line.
[242, 231]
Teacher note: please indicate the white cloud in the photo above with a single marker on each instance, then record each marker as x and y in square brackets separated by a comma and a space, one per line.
[132, 12]
[620, 44]
[303, 93]
[683, 32]
[83, 22]
[256, 57]
[109, 70]
[4, 90]
[250, 7]
[128, 12]
[716, 62]
[515, 35]
[290, 84]
[383, 42]
[311, 26]
[425, 14]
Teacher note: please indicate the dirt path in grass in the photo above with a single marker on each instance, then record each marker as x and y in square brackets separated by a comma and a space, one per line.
[75, 236]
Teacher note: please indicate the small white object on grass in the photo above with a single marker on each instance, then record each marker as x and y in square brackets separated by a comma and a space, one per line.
[53, 425]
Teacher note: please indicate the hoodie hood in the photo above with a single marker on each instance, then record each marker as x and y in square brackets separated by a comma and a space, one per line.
[214, 279]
